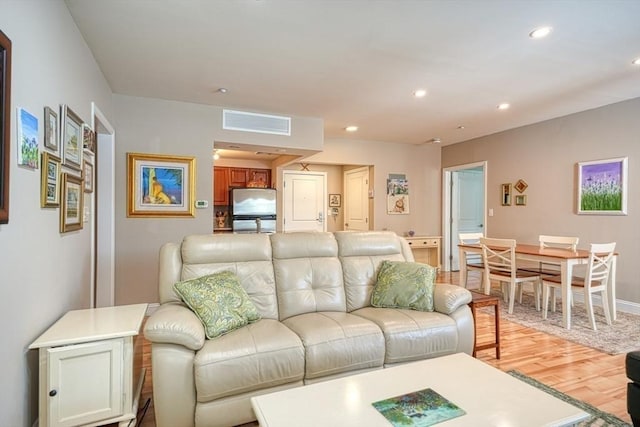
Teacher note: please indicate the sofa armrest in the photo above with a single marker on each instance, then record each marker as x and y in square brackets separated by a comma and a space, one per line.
[174, 323]
[448, 298]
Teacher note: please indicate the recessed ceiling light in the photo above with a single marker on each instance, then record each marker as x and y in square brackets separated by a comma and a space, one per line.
[460, 127]
[351, 128]
[222, 90]
[419, 93]
[435, 140]
[636, 61]
[540, 33]
[216, 155]
[504, 106]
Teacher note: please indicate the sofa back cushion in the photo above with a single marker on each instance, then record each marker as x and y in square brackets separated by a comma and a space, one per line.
[248, 256]
[308, 273]
[361, 254]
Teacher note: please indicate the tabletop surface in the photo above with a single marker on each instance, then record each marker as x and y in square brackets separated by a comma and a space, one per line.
[487, 395]
[528, 249]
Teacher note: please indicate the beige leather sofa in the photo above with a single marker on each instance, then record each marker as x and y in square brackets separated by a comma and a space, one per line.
[312, 291]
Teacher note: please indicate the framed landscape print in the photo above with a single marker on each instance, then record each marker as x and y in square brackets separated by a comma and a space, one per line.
[51, 132]
[72, 138]
[602, 187]
[72, 203]
[50, 181]
[5, 124]
[28, 153]
[160, 185]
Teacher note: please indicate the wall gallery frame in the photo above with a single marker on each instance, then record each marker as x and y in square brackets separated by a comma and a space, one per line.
[505, 194]
[87, 172]
[160, 186]
[50, 181]
[28, 152]
[72, 203]
[51, 132]
[5, 124]
[72, 138]
[602, 187]
[335, 200]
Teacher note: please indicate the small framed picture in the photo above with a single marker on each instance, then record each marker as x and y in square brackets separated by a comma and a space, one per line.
[521, 185]
[28, 153]
[72, 203]
[50, 181]
[87, 172]
[51, 131]
[72, 138]
[505, 194]
[335, 200]
[521, 200]
[88, 138]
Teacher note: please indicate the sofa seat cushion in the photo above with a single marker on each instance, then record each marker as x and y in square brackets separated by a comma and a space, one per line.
[412, 335]
[260, 355]
[337, 342]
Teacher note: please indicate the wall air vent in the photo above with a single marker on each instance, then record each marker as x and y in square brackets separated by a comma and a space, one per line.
[254, 122]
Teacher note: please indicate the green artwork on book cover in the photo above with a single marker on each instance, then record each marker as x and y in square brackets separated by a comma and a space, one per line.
[421, 408]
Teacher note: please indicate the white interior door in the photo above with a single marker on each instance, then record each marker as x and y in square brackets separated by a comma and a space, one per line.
[464, 207]
[356, 199]
[304, 201]
[467, 206]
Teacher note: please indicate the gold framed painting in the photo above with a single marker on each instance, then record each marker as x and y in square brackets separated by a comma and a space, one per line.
[87, 172]
[160, 186]
[5, 124]
[50, 181]
[71, 138]
[505, 194]
[72, 203]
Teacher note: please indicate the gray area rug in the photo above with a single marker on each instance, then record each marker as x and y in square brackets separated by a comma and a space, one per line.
[598, 418]
[621, 337]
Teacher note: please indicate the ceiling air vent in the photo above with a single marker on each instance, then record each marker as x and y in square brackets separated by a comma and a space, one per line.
[253, 122]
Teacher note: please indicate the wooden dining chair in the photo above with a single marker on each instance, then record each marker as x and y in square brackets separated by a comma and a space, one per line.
[595, 280]
[499, 257]
[546, 269]
[472, 261]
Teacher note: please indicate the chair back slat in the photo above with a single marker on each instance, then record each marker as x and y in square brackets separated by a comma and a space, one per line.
[471, 239]
[499, 255]
[599, 265]
[561, 242]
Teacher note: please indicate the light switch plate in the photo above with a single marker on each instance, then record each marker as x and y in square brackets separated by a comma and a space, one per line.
[202, 204]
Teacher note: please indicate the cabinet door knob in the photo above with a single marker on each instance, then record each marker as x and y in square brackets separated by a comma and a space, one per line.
[53, 393]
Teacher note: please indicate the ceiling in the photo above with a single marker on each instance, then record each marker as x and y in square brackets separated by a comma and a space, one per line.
[358, 62]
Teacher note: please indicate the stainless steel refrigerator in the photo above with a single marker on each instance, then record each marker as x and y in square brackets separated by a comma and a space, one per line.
[253, 210]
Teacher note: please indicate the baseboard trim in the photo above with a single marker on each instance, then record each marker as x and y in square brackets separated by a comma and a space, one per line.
[621, 305]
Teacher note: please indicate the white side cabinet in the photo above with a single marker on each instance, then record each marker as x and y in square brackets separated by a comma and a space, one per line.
[426, 249]
[90, 367]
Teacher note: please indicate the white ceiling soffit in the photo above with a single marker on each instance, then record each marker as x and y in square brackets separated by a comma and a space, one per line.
[358, 62]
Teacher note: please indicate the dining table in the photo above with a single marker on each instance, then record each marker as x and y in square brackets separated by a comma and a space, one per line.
[565, 258]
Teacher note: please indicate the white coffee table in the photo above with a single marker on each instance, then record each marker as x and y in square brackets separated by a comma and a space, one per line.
[489, 396]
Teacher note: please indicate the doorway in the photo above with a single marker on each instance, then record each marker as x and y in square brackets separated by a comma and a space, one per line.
[304, 201]
[356, 199]
[464, 207]
[102, 212]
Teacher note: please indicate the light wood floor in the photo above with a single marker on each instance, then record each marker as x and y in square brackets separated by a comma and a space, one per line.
[582, 372]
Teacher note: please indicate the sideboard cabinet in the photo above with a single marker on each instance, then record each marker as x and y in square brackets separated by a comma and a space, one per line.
[90, 367]
[426, 249]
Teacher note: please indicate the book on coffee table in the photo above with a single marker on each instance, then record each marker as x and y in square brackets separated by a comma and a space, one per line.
[421, 408]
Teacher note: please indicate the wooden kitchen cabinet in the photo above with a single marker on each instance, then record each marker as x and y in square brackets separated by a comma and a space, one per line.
[220, 186]
[90, 367]
[426, 249]
[238, 177]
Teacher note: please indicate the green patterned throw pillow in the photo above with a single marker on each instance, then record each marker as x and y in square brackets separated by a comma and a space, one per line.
[404, 285]
[219, 301]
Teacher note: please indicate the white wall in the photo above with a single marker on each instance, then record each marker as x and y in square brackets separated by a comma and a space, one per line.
[545, 156]
[44, 273]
